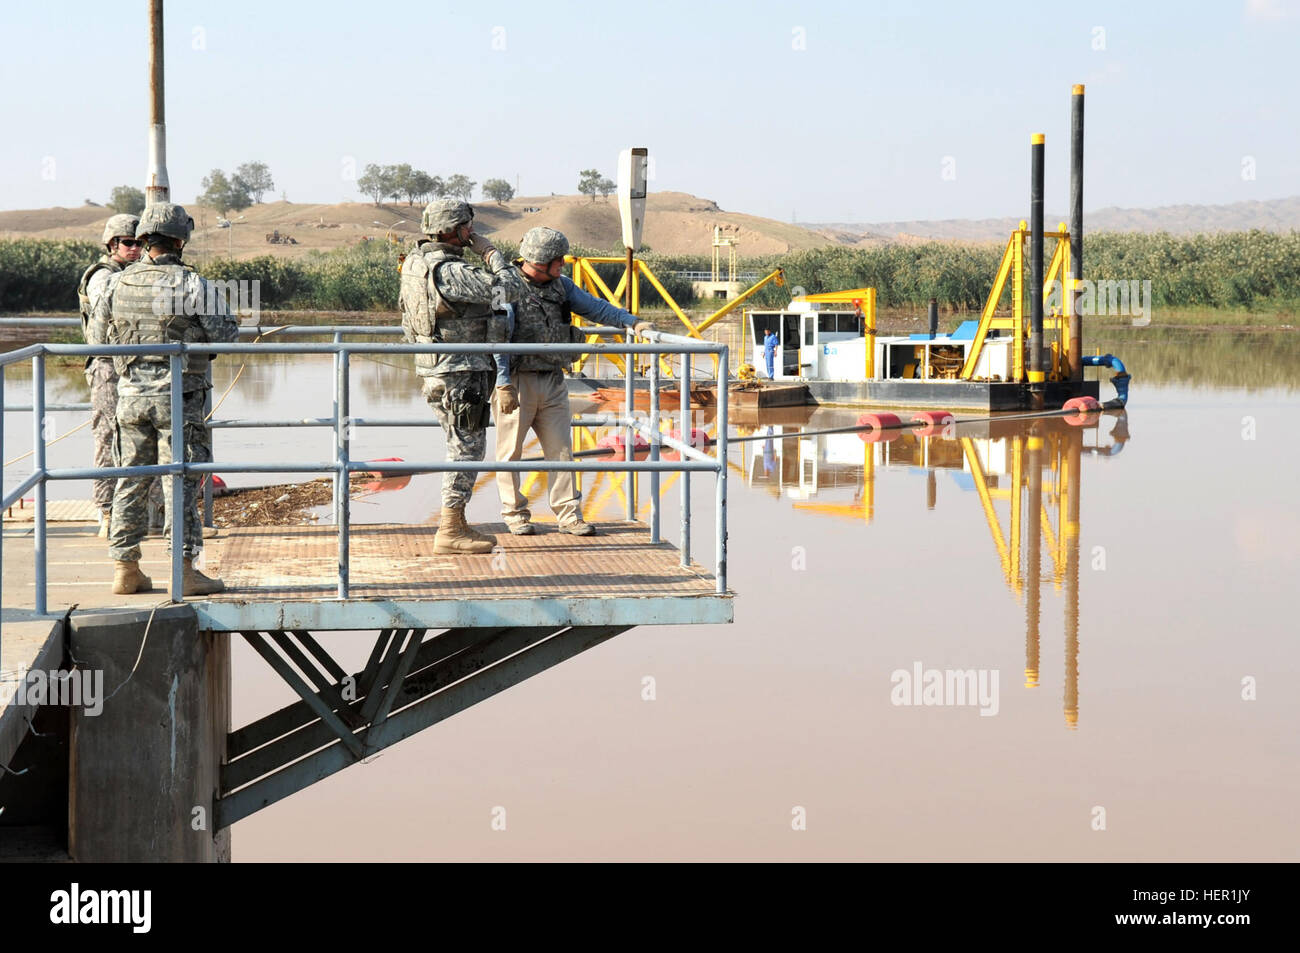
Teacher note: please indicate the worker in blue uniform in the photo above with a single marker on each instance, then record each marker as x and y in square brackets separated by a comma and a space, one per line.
[769, 352]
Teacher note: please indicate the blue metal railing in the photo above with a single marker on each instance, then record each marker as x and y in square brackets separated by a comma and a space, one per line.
[690, 459]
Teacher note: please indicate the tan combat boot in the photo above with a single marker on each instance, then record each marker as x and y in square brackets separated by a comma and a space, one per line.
[194, 583]
[127, 578]
[454, 536]
[103, 523]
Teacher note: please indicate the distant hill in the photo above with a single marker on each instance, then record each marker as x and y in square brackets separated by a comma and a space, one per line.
[676, 224]
[1277, 215]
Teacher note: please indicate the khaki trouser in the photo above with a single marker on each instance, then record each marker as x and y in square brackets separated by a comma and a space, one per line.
[543, 408]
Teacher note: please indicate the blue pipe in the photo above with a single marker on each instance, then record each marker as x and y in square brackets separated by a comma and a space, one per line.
[1122, 376]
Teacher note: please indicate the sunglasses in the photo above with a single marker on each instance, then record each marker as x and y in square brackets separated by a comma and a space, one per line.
[130, 242]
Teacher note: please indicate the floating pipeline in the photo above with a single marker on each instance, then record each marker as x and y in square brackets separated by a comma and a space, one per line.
[882, 427]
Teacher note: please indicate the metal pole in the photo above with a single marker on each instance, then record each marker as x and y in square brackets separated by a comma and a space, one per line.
[2, 512]
[207, 478]
[341, 498]
[934, 317]
[1037, 375]
[654, 447]
[629, 403]
[687, 433]
[38, 446]
[1076, 231]
[721, 503]
[178, 513]
[157, 189]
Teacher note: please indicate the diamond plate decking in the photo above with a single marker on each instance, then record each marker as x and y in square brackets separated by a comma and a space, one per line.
[285, 577]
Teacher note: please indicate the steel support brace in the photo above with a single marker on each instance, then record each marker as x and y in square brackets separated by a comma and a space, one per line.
[409, 683]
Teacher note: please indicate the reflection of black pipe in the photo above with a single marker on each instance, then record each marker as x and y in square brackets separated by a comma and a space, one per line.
[931, 490]
[1070, 533]
[1034, 546]
[1037, 376]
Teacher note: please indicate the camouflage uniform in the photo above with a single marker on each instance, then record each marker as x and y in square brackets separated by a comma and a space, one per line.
[159, 301]
[445, 300]
[101, 377]
[102, 380]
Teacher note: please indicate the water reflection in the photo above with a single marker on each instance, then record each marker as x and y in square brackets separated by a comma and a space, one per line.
[1025, 476]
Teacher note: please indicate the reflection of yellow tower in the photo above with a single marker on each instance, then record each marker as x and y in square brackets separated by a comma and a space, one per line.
[720, 242]
[1044, 463]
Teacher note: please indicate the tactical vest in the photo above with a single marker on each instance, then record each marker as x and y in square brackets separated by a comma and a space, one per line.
[149, 307]
[428, 317]
[543, 316]
[83, 296]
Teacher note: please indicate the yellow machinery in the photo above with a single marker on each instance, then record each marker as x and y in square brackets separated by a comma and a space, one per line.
[586, 277]
[864, 299]
[1013, 268]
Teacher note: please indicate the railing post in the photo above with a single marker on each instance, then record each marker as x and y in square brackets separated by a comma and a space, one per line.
[721, 504]
[687, 432]
[654, 447]
[341, 459]
[2, 492]
[207, 414]
[38, 456]
[629, 409]
[178, 512]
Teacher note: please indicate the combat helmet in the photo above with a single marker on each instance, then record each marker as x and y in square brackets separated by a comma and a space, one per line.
[441, 216]
[122, 225]
[164, 218]
[542, 245]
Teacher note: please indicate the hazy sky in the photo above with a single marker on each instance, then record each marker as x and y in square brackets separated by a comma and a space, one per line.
[822, 111]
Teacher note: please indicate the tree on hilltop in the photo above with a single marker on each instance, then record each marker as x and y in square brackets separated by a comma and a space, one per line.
[589, 182]
[499, 190]
[126, 199]
[255, 179]
[460, 187]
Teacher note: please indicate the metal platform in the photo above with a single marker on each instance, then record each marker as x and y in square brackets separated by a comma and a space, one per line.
[283, 578]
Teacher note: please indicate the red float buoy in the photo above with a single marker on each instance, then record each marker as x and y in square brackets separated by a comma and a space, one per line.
[618, 442]
[1082, 405]
[936, 423]
[884, 427]
[699, 439]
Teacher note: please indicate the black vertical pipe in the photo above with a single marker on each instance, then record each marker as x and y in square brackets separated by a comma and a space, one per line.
[1075, 356]
[934, 317]
[1036, 373]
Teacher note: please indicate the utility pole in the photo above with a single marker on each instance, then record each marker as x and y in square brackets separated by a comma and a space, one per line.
[157, 189]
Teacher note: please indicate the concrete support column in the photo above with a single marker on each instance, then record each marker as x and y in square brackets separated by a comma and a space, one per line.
[145, 771]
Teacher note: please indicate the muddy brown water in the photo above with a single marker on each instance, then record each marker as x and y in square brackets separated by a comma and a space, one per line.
[1159, 701]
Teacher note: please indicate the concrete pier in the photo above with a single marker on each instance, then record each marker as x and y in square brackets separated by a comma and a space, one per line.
[144, 771]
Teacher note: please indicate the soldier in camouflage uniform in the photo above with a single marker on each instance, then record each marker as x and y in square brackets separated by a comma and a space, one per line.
[158, 300]
[120, 242]
[531, 393]
[445, 300]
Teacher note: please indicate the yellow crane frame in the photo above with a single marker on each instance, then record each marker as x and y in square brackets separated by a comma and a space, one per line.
[1013, 267]
[586, 277]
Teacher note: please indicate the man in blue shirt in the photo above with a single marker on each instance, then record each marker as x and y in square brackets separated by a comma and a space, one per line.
[769, 352]
[531, 393]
